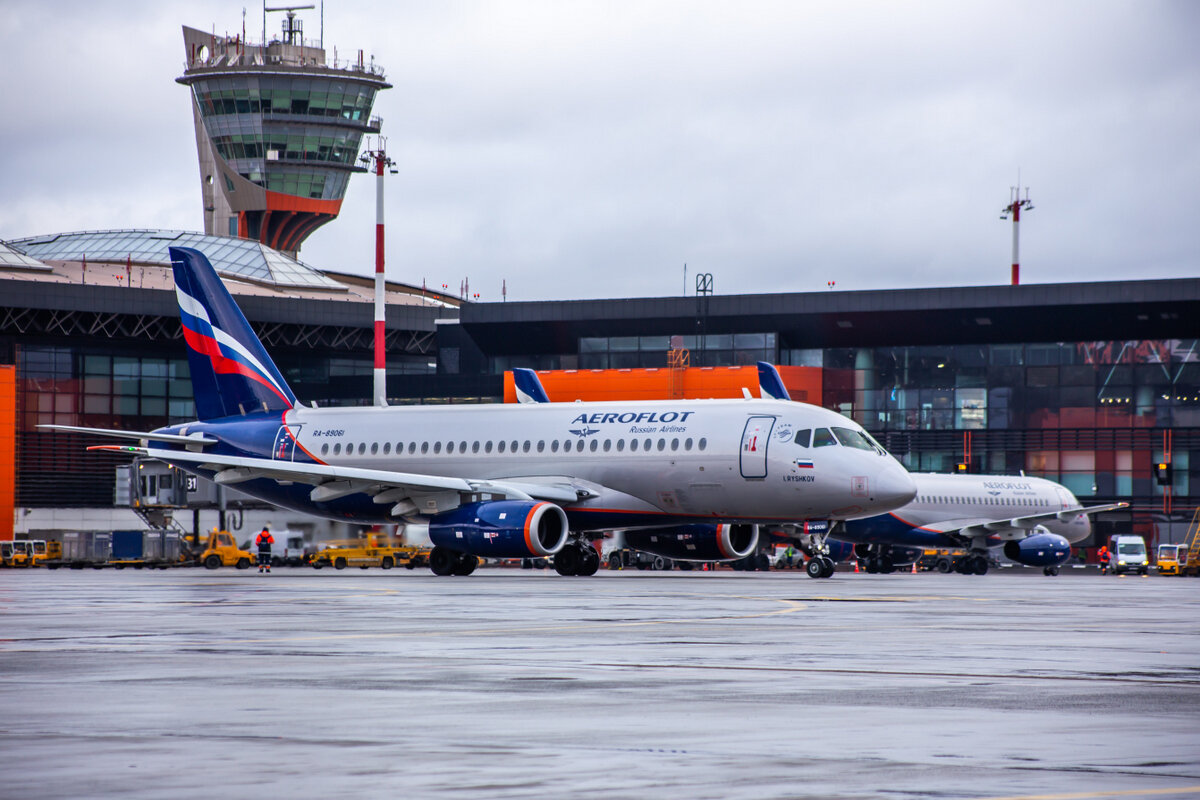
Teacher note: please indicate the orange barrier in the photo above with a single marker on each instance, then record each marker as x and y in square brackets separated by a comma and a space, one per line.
[569, 385]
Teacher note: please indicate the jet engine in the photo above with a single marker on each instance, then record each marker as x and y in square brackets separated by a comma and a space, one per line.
[501, 529]
[696, 542]
[1043, 549]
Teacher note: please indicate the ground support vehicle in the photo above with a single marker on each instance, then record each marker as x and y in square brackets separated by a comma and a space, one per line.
[370, 552]
[1170, 558]
[1189, 555]
[628, 558]
[1128, 555]
[146, 549]
[220, 550]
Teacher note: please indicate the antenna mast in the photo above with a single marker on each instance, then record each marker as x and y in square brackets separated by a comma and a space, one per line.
[1015, 204]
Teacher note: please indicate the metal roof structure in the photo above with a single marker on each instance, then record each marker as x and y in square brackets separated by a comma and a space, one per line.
[11, 258]
[245, 259]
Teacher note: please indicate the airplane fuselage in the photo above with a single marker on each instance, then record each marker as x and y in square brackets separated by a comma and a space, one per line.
[965, 500]
[640, 464]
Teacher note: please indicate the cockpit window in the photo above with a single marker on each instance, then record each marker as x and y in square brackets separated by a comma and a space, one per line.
[875, 442]
[803, 437]
[852, 438]
[823, 438]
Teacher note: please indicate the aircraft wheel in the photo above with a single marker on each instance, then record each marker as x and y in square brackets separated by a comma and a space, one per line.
[659, 564]
[828, 567]
[614, 561]
[814, 568]
[568, 560]
[1050, 571]
[762, 563]
[591, 562]
[466, 564]
[979, 565]
[871, 565]
[442, 561]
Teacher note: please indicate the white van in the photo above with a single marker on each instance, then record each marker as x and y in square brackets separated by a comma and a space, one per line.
[1128, 555]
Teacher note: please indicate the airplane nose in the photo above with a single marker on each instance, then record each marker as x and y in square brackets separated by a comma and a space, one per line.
[894, 488]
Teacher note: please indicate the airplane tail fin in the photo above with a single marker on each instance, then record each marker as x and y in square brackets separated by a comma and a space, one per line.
[231, 371]
[770, 385]
[529, 387]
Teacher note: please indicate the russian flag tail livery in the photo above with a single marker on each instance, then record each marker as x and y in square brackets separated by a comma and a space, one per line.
[529, 388]
[770, 385]
[231, 372]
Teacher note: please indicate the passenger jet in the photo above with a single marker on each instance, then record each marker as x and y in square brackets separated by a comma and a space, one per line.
[508, 481]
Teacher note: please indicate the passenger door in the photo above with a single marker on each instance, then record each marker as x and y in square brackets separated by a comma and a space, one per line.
[755, 438]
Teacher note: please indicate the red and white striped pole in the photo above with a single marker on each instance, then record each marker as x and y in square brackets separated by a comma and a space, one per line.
[1014, 207]
[380, 358]
[380, 160]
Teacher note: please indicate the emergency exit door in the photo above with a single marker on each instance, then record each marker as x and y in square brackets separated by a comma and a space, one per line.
[755, 439]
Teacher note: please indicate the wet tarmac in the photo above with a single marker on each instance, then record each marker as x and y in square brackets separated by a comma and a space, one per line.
[524, 684]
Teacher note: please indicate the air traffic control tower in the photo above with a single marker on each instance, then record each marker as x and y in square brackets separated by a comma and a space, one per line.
[278, 128]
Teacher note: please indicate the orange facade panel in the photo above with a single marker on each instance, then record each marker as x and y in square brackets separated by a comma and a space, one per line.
[803, 383]
[8, 449]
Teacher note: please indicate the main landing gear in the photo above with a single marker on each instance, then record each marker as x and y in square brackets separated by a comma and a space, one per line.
[444, 561]
[577, 557]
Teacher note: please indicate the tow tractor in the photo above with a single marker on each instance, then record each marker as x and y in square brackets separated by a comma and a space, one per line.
[376, 550]
[221, 551]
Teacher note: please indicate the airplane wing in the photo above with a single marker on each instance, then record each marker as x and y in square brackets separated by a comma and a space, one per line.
[1011, 527]
[408, 492]
[194, 439]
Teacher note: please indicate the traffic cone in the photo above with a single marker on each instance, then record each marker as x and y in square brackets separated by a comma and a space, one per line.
[856, 565]
[914, 569]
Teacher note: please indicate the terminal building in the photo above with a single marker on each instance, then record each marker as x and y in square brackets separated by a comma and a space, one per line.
[1095, 385]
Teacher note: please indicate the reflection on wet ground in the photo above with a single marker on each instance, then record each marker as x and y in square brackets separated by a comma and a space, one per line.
[510, 683]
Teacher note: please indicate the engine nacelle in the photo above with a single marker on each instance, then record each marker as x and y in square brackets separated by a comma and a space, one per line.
[1039, 550]
[696, 542]
[501, 529]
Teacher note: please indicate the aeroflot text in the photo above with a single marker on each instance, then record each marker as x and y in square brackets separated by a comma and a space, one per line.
[645, 416]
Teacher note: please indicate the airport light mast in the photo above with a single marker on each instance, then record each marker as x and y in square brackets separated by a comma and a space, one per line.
[379, 158]
[1014, 207]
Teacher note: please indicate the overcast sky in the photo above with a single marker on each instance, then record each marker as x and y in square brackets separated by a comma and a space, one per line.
[581, 150]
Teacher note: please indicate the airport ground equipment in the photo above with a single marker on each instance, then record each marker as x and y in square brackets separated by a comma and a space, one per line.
[1189, 558]
[140, 549]
[1170, 558]
[374, 551]
[221, 550]
[1128, 555]
[628, 558]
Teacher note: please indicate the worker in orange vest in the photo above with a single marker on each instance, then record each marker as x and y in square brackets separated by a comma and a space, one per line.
[264, 542]
[1104, 557]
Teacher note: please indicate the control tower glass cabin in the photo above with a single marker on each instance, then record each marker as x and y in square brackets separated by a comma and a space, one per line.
[278, 129]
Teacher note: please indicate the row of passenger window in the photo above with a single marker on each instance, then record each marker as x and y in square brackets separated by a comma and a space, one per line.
[827, 437]
[516, 446]
[1032, 502]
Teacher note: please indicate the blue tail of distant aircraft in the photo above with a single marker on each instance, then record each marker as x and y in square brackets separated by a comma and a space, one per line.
[231, 372]
[529, 388]
[770, 385]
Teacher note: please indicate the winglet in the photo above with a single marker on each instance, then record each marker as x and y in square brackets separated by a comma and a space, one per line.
[529, 388]
[770, 385]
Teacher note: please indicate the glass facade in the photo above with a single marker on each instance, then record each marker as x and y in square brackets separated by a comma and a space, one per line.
[719, 350]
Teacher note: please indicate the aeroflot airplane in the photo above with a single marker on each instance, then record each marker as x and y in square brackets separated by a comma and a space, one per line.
[1036, 520]
[509, 480]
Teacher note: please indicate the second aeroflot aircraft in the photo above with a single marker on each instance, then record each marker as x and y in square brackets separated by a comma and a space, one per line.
[507, 480]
